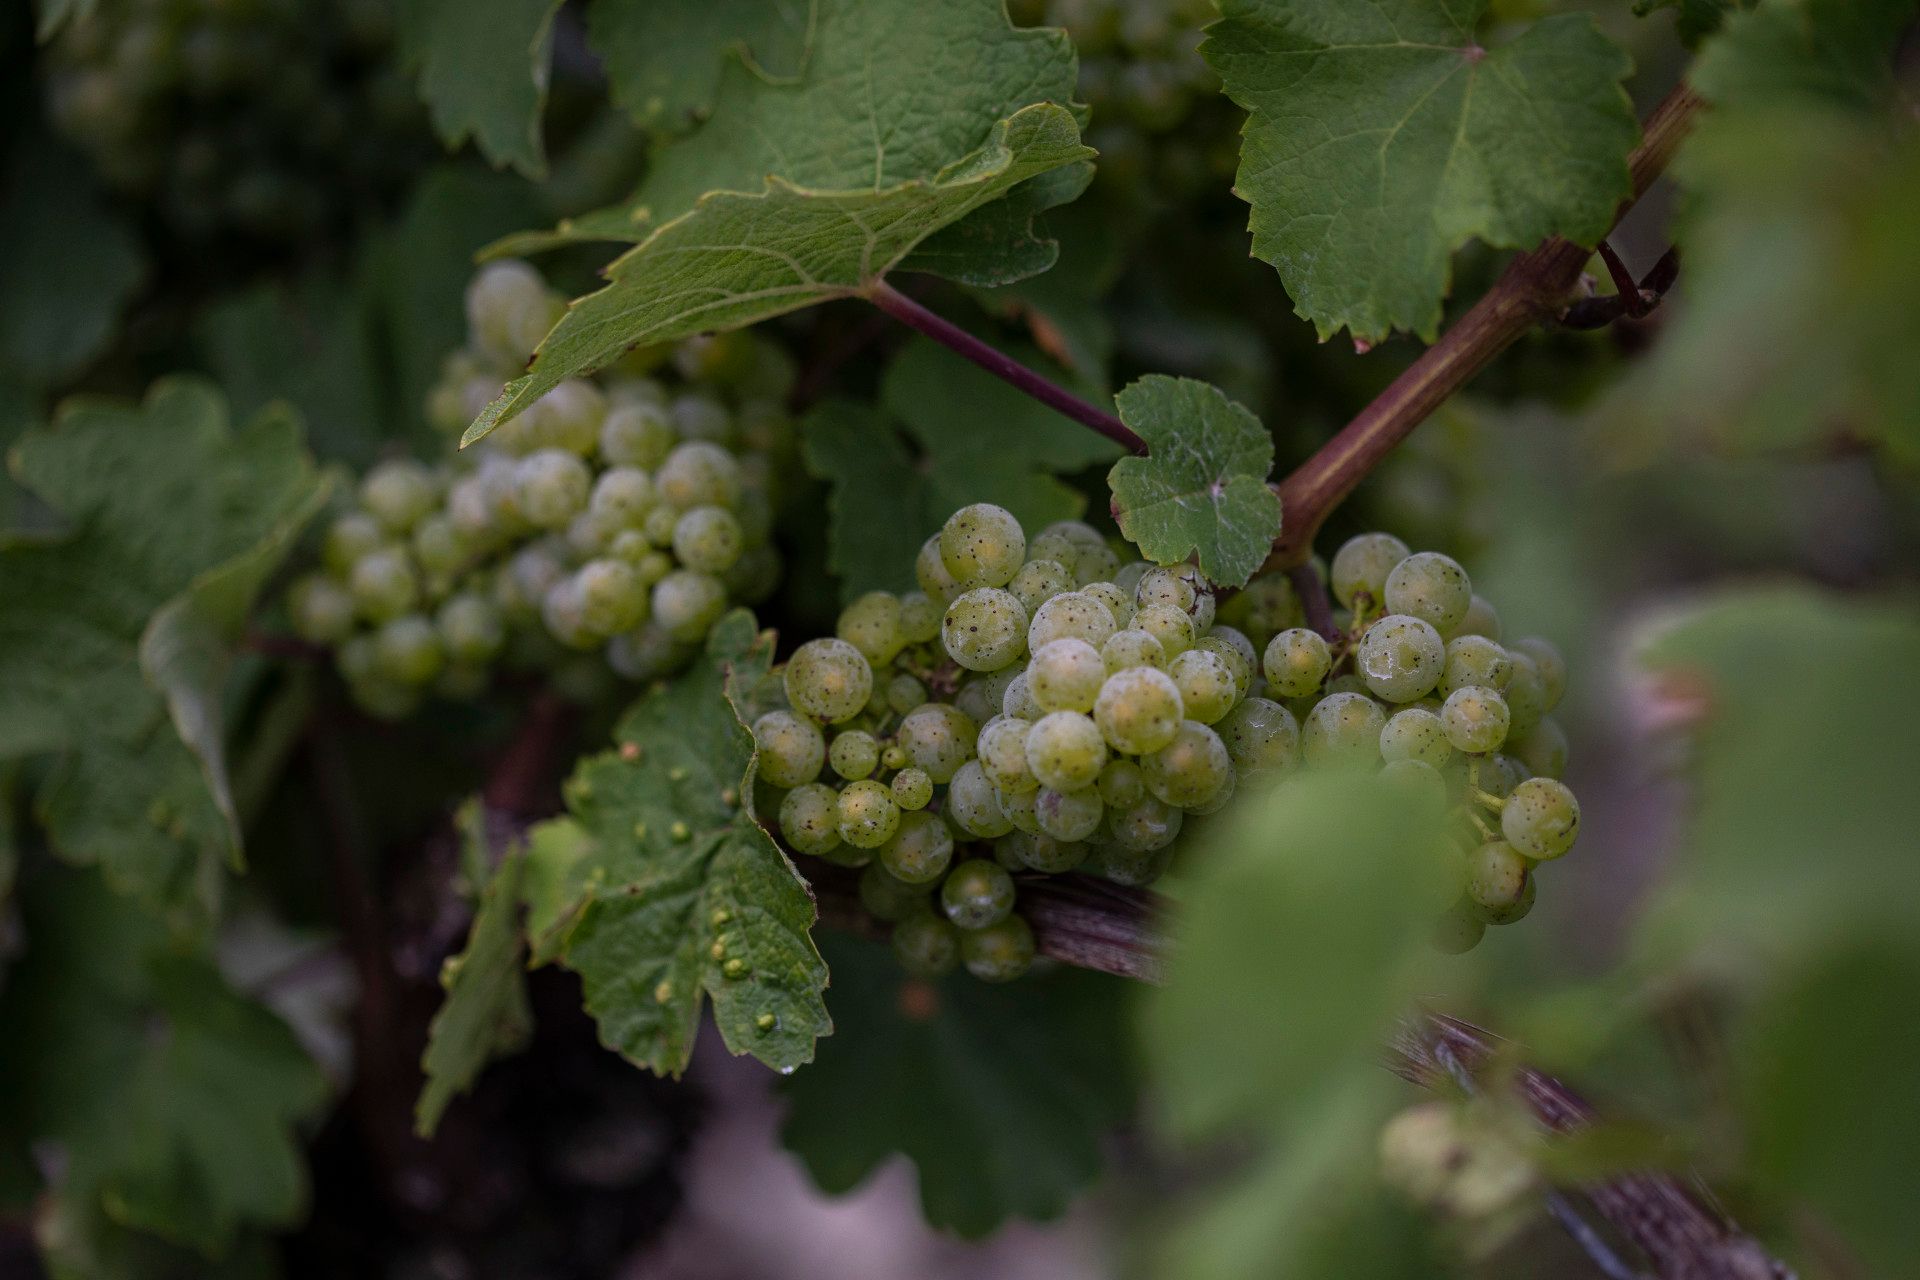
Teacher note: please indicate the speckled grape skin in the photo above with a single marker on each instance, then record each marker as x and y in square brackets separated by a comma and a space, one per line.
[1000, 952]
[1475, 660]
[1073, 615]
[1002, 748]
[1541, 818]
[1069, 815]
[854, 754]
[984, 629]
[1172, 628]
[698, 474]
[1525, 693]
[1164, 586]
[1431, 586]
[1190, 770]
[791, 749]
[1139, 710]
[1261, 736]
[930, 571]
[972, 806]
[1362, 564]
[1343, 731]
[810, 818]
[912, 788]
[1475, 718]
[977, 893]
[1132, 648]
[920, 848]
[982, 545]
[937, 737]
[1400, 658]
[868, 815]
[1145, 826]
[829, 680]
[1496, 876]
[551, 487]
[1038, 851]
[1065, 750]
[1066, 675]
[1207, 686]
[1415, 733]
[1039, 581]
[1552, 667]
[1296, 661]
[1118, 602]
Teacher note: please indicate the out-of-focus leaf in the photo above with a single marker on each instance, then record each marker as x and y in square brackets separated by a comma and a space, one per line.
[664, 60]
[1693, 20]
[1783, 53]
[484, 66]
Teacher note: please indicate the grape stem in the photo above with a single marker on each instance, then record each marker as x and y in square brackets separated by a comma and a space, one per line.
[1529, 291]
[1002, 366]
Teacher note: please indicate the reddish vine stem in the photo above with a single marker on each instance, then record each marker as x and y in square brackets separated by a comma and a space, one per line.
[1528, 291]
[1312, 591]
[1008, 370]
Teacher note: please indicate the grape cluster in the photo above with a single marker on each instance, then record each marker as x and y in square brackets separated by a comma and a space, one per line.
[616, 516]
[267, 119]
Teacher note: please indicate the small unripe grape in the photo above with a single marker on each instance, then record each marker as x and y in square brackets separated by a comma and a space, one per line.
[984, 693]
[977, 893]
[658, 525]
[698, 474]
[1164, 586]
[868, 816]
[1430, 586]
[1038, 851]
[408, 650]
[1296, 661]
[622, 497]
[1475, 660]
[1481, 620]
[1119, 603]
[926, 945]
[920, 849]
[919, 617]
[707, 539]
[1207, 687]
[1131, 648]
[829, 680]
[1415, 734]
[930, 571]
[471, 628]
[611, 597]
[810, 818]
[636, 435]
[564, 613]
[905, 692]
[1361, 566]
[397, 493]
[1002, 748]
[937, 737]
[1541, 818]
[1018, 701]
[1526, 694]
[913, 789]
[686, 603]
[439, 547]
[1145, 826]
[1069, 815]
[871, 624]
[984, 629]
[1552, 667]
[1475, 719]
[1343, 731]
[790, 749]
[1065, 750]
[1496, 875]
[1261, 736]
[1139, 710]
[982, 545]
[551, 487]
[854, 754]
[1074, 615]
[1232, 644]
[1000, 952]
[971, 803]
[383, 584]
[1121, 784]
[1170, 626]
[1066, 675]
[646, 653]
[350, 538]
[1190, 770]
[1039, 581]
[1400, 658]
[321, 609]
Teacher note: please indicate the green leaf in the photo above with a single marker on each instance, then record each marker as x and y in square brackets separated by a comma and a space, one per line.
[174, 1101]
[663, 60]
[483, 68]
[1203, 484]
[680, 882]
[739, 258]
[1001, 1096]
[1384, 136]
[71, 266]
[164, 503]
[976, 440]
[1784, 53]
[485, 1015]
[1693, 20]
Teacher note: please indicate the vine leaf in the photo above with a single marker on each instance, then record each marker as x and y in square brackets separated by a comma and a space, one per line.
[1821, 52]
[1203, 484]
[944, 434]
[663, 893]
[664, 60]
[485, 1015]
[1033, 1077]
[796, 193]
[1693, 20]
[1384, 136]
[175, 1101]
[484, 66]
[173, 523]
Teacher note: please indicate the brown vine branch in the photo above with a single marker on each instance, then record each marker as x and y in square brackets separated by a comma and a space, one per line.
[1011, 371]
[1529, 291]
[1630, 300]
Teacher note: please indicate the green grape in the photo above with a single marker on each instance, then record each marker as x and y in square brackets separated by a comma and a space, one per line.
[888, 898]
[1065, 750]
[636, 435]
[1220, 798]
[1039, 581]
[588, 535]
[646, 653]
[1400, 658]
[1094, 564]
[1459, 930]
[383, 584]
[1145, 826]
[982, 545]
[530, 574]
[569, 416]
[1018, 701]
[810, 818]
[868, 816]
[1361, 567]
[1206, 684]
[854, 754]
[913, 789]
[919, 617]
[1139, 710]
[698, 474]
[972, 806]
[1481, 620]
[1475, 718]
[829, 680]
[1074, 615]
[1541, 818]
[1514, 911]
[1499, 775]
[408, 651]
[871, 624]
[686, 604]
[397, 493]
[611, 597]
[471, 511]
[930, 571]
[984, 694]
[1172, 628]
[1543, 751]
[938, 738]
[1002, 748]
[977, 893]
[623, 497]
[707, 539]
[1119, 603]
[1052, 544]
[1552, 667]
[1204, 604]
[1018, 808]
[926, 945]
[321, 609]
[658, 526]
[1164, 586]
[1526, 694]
[1261, 736]
[551, 487]
[1496, 876]
[1475, 660]
[905, 692]
[350, 538]
[1069, 815]
[921, 847]
[1066, 675]
[984, 629]
[1232, 644]
[1000, 952]
[1415, 733]
[1037, 851]
[564, 613]
[439, 547]
[1190, 770]
[790, 748]
[1131, 648]
[1121, 784]
[1432, 587]
[1343, 732]
[1296, 661]
[471, 628]
[1419, 782]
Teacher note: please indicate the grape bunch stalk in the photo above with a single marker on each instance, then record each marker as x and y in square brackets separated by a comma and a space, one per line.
[607, 527]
